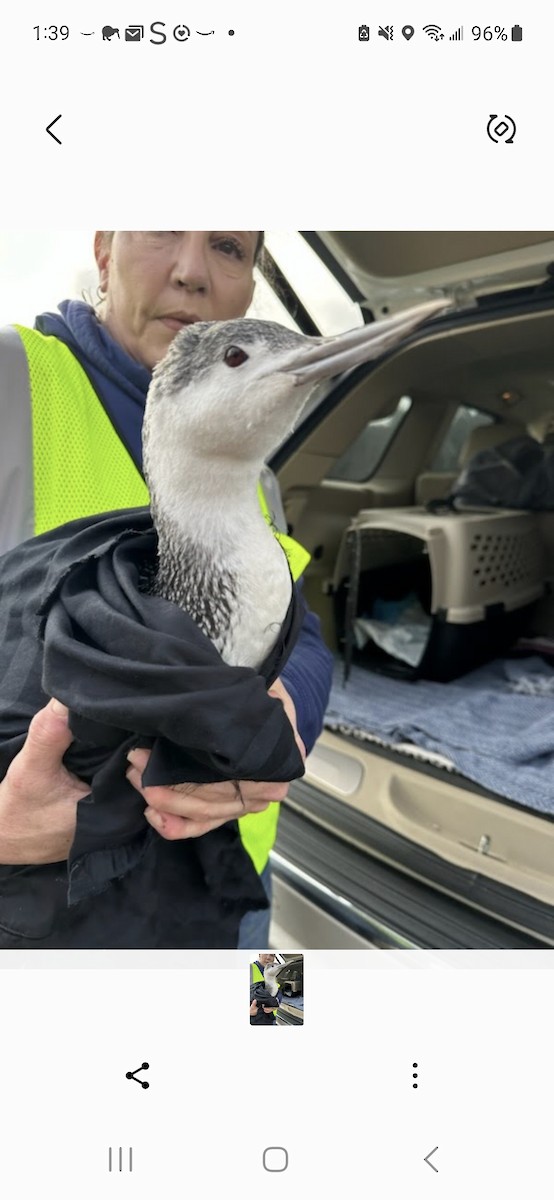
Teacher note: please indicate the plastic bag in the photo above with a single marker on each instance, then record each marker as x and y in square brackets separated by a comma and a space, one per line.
[400, 627]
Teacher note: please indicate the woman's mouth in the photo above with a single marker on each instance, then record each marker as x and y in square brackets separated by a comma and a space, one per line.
[176, 321]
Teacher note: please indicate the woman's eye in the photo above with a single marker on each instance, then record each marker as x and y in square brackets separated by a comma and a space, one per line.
[231, 248]
[235, 356]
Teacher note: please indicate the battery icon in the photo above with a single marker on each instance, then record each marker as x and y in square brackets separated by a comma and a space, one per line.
[517, 33]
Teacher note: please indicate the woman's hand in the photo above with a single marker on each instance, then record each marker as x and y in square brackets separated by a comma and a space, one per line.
[38, 797]
[189, 810]
[279, 690]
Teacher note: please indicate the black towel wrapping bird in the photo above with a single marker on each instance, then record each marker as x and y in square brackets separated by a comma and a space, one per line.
[132, 668]
[165, 630]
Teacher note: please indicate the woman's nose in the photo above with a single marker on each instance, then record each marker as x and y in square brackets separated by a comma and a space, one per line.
[190, 268]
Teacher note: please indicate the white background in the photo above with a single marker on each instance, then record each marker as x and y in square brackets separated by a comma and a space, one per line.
[337, 1093]
[291, 123]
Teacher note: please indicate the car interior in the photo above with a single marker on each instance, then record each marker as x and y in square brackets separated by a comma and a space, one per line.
[457, 825]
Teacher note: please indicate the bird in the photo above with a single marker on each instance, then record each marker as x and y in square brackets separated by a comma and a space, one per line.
[225, 395]
[270, 981]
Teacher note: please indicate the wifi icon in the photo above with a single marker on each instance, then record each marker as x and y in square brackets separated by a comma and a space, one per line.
[434, 32]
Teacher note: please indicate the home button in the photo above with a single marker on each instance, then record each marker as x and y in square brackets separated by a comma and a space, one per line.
[275, 1158]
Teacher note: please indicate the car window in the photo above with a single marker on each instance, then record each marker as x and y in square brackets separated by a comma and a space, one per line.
[267, 305]
[321, 294]
[361, 459]
[465, 420]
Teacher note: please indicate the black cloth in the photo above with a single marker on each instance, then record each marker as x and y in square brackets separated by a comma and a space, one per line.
[518, 474]
[134, 670]
[263, 997]
[262, 1018]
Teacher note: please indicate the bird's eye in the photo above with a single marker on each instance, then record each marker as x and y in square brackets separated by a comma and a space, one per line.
[234, 356]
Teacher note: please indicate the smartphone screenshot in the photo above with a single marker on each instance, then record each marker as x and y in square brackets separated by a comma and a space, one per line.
[276, 601]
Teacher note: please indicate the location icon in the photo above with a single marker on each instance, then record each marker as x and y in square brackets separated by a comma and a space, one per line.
[408, 32]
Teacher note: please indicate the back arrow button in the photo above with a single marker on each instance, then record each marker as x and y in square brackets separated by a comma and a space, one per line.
[430, 1164]
[49, 129]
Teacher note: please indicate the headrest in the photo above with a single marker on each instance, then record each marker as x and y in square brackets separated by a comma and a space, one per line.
[486, 436]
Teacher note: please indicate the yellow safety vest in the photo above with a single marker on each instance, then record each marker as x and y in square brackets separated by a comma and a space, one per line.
[81, 467]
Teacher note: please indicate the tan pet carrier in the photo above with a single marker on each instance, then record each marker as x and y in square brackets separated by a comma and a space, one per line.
[476, 576]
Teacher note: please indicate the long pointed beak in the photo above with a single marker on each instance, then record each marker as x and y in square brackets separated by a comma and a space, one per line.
[322, 358]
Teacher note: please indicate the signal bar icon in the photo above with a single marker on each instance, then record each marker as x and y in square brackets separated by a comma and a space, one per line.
[458, 35]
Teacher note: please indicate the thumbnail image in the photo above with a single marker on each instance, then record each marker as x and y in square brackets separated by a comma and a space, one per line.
[277, 989]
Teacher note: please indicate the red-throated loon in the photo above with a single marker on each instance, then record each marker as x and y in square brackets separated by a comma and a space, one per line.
[225, 395]
[270, 981]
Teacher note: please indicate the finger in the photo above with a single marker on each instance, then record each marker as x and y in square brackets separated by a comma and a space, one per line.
[210, 791]
[252, 791]
[156, 795]
[174, 828]
[194, 807]
[197, 809]
[48, 738]
[279, 692]
[139, 758]
[135, 778]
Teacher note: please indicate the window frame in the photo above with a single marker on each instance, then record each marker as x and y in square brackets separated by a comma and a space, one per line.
[337, 481]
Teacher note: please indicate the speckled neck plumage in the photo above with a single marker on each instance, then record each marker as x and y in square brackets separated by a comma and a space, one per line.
[189, 576]
[219, 561]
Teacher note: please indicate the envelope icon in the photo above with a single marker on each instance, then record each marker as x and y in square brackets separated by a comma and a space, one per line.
[134, 33]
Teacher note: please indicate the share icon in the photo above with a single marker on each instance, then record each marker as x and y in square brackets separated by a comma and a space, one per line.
[133, 1075]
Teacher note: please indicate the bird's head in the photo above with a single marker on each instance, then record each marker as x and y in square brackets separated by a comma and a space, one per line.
[234, 389]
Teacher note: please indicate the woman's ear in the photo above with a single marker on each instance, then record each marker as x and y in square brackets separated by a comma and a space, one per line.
[102, 254]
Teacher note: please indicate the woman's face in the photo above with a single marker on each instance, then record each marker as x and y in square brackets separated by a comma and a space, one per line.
[157, 282]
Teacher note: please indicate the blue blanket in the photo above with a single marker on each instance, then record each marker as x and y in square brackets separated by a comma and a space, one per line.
[496, 724]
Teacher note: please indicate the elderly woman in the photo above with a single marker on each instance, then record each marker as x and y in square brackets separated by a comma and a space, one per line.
[72, 394]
